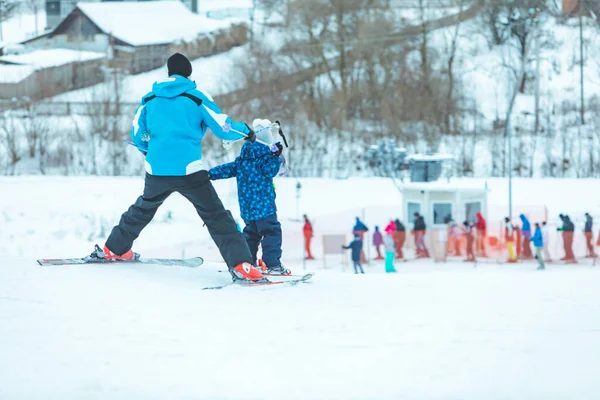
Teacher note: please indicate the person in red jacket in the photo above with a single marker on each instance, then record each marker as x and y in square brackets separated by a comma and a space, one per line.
[308, 235]
[481, 232]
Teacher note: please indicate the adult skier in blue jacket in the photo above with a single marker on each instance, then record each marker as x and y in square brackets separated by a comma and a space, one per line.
[168, 128]
[254, 170]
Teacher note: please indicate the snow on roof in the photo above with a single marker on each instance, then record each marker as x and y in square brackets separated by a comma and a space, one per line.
[215, 5]
[51, 57]
[432, 157]
[445, 185]
[149, 22]
[14, 73]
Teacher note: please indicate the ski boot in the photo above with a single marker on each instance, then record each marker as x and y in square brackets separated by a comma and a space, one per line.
[107, 255]
[247, 273]
[279, 270]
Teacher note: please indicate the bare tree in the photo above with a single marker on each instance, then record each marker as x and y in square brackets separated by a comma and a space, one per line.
[11, 140]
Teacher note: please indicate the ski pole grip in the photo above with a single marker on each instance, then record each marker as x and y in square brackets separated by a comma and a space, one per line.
[282, 135]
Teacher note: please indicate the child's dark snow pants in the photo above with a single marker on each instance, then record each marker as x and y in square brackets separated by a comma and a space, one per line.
[267, 233]
[200, 192]
[357, 266]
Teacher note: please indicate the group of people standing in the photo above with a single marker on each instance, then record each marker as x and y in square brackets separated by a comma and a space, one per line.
[474, 234]
[523, 239]
[392, 239]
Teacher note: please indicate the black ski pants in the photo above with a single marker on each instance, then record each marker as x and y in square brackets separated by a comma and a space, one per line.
[198, 189]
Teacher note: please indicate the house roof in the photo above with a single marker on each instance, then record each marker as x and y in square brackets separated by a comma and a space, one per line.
[149, 22]
[50, 57]
[14, 73]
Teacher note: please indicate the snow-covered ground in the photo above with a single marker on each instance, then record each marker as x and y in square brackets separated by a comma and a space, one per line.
[431, 331]
[125, 332]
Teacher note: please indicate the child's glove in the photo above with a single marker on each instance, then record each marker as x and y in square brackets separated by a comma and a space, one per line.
[276, 149]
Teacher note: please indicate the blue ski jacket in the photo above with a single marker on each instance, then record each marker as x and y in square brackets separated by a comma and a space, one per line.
[538, 239]
[171, 121]
[254, 169]
[356, 245]
[526, 225]
[360, 226]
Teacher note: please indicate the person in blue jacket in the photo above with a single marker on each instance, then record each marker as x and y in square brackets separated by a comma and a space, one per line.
[526, 232]
[356, 245]
[360, 229]
[254, 170]
[168, 128]
[538, 243]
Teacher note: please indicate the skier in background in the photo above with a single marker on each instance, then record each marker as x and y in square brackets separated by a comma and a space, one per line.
[419, 231]
[546, 240]
[168, 128]
[509, 236]
[538, 243]
[518, 240]
[481, 234]
[377, 242]
[254, 170]
[399, 238]
[360, 229]
[356, 245]
[526, 232]
[468, 232]
[589, 235]
[568, 230]
[390, 250]
[307, 230]
[456, 236]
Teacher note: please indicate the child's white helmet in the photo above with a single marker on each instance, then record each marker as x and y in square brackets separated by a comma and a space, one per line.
[264, 135]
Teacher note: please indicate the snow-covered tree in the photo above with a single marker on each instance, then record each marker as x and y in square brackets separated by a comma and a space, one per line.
[7, 10]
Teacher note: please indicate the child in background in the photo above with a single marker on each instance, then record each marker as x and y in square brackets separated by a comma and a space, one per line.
[390, 248]
[254, 170]
[538, 243]
[470, 240]
[356, 245]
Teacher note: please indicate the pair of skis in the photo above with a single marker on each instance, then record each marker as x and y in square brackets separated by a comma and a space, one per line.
[171, 262]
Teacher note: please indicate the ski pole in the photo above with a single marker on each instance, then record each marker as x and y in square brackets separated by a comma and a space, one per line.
[229, 143]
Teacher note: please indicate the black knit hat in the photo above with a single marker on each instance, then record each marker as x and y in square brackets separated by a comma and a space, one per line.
[178, 64]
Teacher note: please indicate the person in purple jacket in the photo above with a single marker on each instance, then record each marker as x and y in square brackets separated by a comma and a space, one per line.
[378, 242]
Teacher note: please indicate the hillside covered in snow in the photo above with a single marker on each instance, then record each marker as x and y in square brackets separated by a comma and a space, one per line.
[458, 77]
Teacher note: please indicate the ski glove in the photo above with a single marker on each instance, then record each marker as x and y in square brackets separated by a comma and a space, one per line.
[250, 136]
[276, 149]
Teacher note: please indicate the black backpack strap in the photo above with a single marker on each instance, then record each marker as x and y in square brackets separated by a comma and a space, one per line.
[195, 99]
[147, 99]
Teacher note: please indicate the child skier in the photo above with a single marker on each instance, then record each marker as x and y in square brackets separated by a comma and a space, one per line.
[538, 243]
[356, 245]
[390, 248]
[254, 170]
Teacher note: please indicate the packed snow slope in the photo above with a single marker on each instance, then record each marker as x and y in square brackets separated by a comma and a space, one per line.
[451, 332]
[431, 331]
